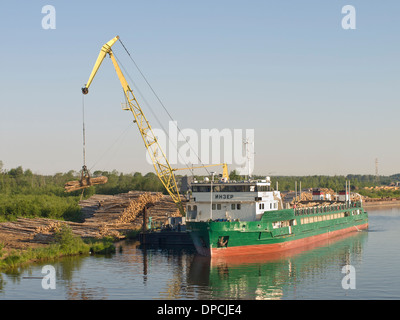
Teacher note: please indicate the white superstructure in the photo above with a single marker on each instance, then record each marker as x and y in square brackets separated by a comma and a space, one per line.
[246, 200]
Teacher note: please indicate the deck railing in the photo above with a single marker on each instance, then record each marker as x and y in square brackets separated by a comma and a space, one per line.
[325, 209]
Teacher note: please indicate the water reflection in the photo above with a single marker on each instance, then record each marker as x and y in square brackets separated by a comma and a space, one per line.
[136, 272]
[271, 278]
[176, 262]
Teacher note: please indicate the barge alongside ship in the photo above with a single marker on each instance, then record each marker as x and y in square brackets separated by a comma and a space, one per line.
[228, 218]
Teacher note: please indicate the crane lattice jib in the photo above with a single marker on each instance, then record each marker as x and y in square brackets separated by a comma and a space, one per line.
[157, 155]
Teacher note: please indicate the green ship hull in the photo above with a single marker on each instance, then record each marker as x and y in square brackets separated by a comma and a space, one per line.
[276, 230]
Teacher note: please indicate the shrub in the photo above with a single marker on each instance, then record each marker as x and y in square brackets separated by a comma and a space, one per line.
[70, 243]
[44, 206]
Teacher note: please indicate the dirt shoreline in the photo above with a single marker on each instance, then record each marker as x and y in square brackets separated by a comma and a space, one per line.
[104, 215]
[381, 204]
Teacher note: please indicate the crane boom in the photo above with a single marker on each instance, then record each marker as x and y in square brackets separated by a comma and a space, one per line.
[160, 162]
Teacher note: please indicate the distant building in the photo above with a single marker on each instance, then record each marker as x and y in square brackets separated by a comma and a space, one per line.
[344, 196]
[317, 194]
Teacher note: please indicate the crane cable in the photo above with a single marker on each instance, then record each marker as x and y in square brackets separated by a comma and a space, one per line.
[150, 108]
[83, 131]
[84, 172]
[162, 104]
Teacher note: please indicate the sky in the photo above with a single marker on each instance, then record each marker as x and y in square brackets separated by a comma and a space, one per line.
[320, 99]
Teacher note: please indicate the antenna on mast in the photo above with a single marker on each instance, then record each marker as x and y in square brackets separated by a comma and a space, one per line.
[247, 142]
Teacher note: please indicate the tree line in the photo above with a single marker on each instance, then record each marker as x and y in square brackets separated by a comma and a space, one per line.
[18, 181]
[24, 193]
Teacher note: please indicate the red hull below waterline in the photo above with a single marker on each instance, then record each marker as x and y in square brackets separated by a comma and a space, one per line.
[275, 249]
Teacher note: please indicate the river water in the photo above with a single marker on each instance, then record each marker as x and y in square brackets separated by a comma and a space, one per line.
[133, 273]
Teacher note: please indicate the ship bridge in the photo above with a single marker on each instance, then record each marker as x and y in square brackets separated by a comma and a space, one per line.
[231, 200]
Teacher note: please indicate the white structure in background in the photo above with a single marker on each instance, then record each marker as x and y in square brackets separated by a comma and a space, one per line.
[317, 194]
[245, 200]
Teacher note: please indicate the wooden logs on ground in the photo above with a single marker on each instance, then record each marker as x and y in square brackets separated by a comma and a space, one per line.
[84, 183]
[136, 206]
[104, 215]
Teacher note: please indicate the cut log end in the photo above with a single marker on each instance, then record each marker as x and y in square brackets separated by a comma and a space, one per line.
[84, 183]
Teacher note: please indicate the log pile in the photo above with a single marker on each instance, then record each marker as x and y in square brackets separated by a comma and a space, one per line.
[163, 209]
[123, 212]
[49, 228]
[104, 215]
[315, 204]
[105, 231]
[84, 183]
[137, 206]
[26, 232]
[394, 188]
[307, 195]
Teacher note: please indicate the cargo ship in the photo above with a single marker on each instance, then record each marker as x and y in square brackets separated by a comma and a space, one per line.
[227, 218]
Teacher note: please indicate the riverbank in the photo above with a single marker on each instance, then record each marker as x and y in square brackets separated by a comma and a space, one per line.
[114, 217]
[65, 244]
[379, 203]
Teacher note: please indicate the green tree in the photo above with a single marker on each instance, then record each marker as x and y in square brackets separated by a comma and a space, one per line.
[233, 175]
[17, 172]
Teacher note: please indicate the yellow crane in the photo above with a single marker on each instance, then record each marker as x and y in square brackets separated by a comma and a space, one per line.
[160, 162]
[158, 157]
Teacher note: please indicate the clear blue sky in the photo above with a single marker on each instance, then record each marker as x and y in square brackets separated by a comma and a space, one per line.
[321, 99]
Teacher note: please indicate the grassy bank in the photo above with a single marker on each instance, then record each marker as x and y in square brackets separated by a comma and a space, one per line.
[43, 206]
[65, 244]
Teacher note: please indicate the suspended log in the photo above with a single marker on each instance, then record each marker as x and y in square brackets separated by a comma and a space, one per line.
[84, 183]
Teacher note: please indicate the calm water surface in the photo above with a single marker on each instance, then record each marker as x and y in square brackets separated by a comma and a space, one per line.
[135, 273]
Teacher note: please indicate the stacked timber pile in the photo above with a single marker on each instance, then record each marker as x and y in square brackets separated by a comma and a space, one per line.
[164, 208]
[91, 205]
[307, 195]
[394, 188]
[46, 231]
[123, 212]
[25, 231]
[316, 204]
[136, 207]
[331, 192]
[105, 215]
[109, 209]
[304, 196]
[49, 228]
